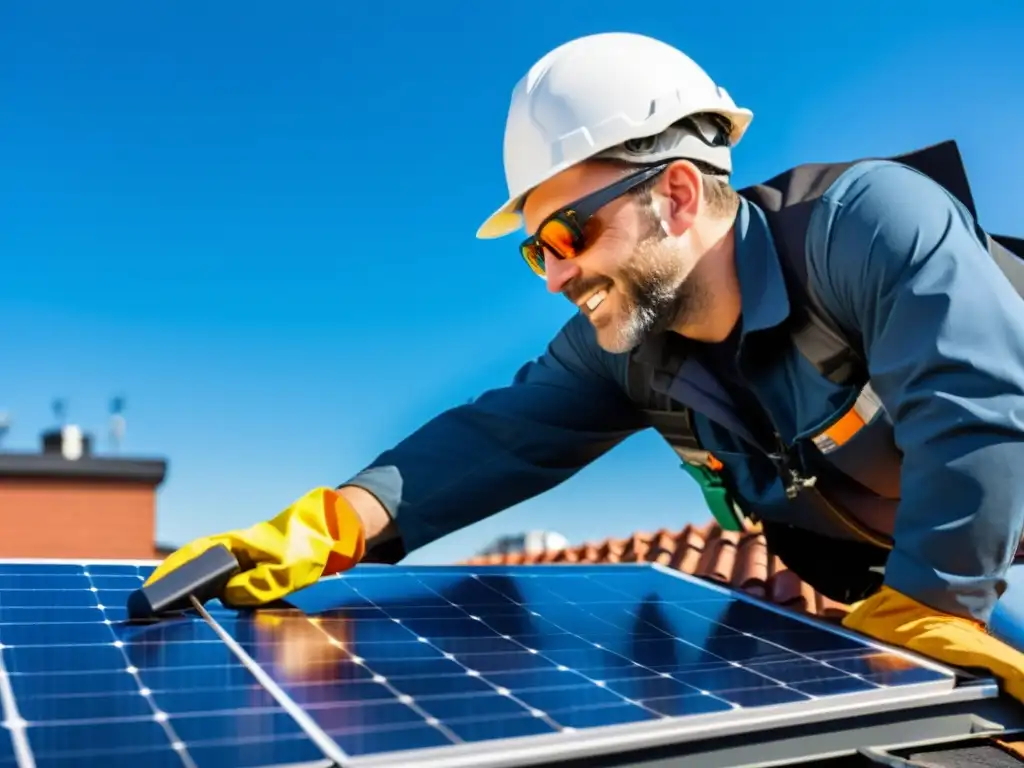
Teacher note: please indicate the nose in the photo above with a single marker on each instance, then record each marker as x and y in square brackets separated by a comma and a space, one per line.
[559, 272]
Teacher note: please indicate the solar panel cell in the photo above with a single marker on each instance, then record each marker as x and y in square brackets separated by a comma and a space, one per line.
[359, 741]
[110, 743]
[7, 757]
[484, 728]
[278, 750]
[606, 714]
[93, 683]
[6, 744]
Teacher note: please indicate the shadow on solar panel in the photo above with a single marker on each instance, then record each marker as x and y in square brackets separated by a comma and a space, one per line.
[430, 665]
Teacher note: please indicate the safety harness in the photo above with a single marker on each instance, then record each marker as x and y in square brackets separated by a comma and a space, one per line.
[787, 201]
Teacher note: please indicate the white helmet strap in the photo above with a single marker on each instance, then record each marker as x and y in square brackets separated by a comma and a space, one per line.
[703, 138]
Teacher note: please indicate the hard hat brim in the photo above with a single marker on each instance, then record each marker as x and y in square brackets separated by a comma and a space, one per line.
[503, 221]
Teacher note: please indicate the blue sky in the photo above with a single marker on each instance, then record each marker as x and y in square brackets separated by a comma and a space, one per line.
[256, 220]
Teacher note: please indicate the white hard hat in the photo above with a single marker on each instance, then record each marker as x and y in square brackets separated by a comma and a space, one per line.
[592, 94]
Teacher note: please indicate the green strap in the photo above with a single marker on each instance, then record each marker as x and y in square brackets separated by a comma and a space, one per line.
[716, 496]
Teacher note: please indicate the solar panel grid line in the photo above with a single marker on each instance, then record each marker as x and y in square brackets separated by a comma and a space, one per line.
[696, 690]
[811, 621]
[598, 739]
[399, 696]
[663, 674]
[525, 707]
[402, 573]
[13, 721]
[259, 680]
[47, 680]
[764, 638]
[759, 637]
[502, 691]
[329, 747]
[98, 605]
[161, 717]
[654, 673]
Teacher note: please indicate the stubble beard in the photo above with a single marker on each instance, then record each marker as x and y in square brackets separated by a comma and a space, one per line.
[657, 288]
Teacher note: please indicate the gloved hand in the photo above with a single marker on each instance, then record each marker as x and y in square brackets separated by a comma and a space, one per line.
[318, 535]
[898, 620]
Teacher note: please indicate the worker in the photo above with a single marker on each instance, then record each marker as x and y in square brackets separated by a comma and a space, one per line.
[837, 354]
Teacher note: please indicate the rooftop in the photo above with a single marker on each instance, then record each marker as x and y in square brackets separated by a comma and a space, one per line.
[55, 466]
[67, 454]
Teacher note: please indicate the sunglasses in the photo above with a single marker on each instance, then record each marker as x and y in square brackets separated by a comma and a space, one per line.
[562, 234]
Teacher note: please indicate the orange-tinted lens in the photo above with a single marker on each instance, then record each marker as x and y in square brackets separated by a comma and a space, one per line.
[557, 236]
[533, 255]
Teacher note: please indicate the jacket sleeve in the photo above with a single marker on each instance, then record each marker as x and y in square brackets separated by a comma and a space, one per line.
[899, 263]
[558, 414]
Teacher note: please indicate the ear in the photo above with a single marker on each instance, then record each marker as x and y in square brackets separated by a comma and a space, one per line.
[681, 189]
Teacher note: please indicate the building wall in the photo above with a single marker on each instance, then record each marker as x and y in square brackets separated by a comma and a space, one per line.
[71, 518]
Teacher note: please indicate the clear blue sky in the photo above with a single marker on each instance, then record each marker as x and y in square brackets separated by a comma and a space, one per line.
[256, 220]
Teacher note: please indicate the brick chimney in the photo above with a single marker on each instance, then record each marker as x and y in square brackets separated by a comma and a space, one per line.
[66, 502]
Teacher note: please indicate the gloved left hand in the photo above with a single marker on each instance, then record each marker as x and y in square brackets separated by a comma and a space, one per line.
[318, 535]
[896, 619]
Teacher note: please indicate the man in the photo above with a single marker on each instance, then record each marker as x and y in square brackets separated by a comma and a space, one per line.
[835, 352]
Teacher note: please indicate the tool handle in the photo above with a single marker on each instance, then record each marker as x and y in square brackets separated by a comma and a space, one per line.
[203, 577]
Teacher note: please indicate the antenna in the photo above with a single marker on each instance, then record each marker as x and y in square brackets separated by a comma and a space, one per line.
[117, 422]
[60, 410]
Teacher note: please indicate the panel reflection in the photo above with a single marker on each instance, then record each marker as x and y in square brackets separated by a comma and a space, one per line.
[451, 654]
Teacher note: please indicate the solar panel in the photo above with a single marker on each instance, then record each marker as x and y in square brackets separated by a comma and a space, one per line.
[394, 665]
[92, 689]
[436, 657]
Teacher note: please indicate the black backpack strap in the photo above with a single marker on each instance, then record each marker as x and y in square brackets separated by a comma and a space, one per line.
[672, 422]
[816, 334]
[788, 201]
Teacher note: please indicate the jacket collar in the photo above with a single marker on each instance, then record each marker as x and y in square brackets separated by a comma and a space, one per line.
[763, 293]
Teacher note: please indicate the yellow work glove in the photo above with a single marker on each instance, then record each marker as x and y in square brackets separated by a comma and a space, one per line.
[898, 620]
[318, 535]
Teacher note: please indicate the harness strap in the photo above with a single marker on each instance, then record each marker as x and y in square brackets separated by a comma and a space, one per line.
[673, 423]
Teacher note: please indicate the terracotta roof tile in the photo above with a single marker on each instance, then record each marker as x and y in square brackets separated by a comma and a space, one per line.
[739, 560]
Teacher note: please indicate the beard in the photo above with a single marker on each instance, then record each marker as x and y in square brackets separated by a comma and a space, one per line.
[656, 288]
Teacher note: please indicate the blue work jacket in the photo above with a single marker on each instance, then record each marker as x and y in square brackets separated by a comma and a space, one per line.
[898, 262]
